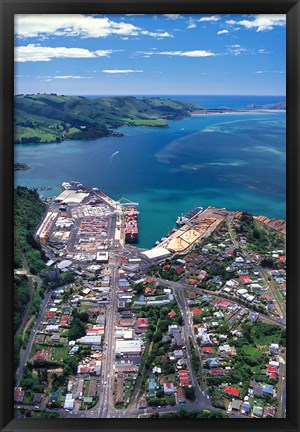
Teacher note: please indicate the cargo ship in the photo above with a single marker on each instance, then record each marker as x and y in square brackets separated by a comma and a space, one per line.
[131, 225]
[183, 219]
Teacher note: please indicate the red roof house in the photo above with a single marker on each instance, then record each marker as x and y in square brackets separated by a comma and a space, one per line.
[180, 270]
[217, 371]
[224, 303]
[232, 391]
[172, 314]
[207, 350]
[196, 311]
[245, 279]
[271, 369]
[142, 322]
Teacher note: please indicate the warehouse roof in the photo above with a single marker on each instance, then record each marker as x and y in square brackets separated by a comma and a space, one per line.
[156, 253]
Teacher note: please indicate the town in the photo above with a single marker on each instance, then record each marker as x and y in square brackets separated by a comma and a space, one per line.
[198, 322]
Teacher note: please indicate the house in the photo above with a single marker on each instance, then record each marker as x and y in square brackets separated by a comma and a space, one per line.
[152, 385]
[174, 329]
[178, 354]
[269, 412]
[257, 411]
[246, 408]
[196, 311]
[207, 350]
[255, 389]
[274, 363]
[225, 349]
[268, 389]
[178, 341]
[169, 388]
[232, 391]
[271, 370]
[156, 369]
[217, 371]
[224, 303]
[182, 363]
[274, 349]
[181, 395]
[236, 404]
[54, 397]
[19, 394]
[37, 398]
[213, 362]
[184, 377]
[172, 314]
[253, 317]
[69, 401]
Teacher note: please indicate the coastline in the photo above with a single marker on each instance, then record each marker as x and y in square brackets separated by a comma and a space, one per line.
[237, 112]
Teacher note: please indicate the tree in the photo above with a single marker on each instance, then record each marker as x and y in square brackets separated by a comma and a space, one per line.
[83, 316]
[77, 329]
[190, 393]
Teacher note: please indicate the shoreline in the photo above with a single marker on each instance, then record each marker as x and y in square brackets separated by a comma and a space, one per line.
[236, 112]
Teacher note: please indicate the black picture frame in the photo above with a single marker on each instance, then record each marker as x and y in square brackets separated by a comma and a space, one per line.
[8, 9]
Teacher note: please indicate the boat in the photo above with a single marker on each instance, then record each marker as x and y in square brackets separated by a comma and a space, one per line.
[183, 219]
[131, 225]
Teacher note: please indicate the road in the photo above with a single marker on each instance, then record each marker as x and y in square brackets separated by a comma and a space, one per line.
[201, 398]
[24, 359]
[106, 399]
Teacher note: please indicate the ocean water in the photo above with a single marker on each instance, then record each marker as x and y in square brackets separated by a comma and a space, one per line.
[237, 161]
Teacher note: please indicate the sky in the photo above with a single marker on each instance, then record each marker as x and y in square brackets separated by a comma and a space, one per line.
[150, 54]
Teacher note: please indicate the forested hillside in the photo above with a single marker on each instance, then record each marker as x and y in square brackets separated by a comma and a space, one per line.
[28, 209]
[45, 118]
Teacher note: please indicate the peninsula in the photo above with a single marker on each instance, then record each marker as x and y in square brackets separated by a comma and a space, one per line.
[47, 118]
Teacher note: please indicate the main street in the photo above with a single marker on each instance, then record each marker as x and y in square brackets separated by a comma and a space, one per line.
[106, 399]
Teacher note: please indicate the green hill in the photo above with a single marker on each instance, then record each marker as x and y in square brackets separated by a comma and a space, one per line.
[45, 118]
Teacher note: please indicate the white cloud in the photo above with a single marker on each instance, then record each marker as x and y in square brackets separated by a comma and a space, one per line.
[34, 53]
[120, 71]
[159, 34]
[261, 22]
[238, 50]
[49, 78]
[71, 77]
[173, 16]
[230, 22]
[280, 71]
[191, 24]
[222, 32]
[212, 18]
[84, 26]
[260, 72]
[195, 53]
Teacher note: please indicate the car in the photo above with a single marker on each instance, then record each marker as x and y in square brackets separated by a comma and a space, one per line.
[159, 406]
[207, 396]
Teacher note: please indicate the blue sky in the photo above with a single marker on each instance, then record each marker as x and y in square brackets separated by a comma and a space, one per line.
[150, 54]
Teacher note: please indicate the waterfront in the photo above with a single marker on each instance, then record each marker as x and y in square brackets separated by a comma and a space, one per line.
[233, 161]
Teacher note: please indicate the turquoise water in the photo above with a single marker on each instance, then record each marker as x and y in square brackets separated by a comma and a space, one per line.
[235, 161]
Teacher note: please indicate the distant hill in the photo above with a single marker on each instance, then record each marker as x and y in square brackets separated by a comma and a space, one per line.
[273, 106]
[46, 118]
